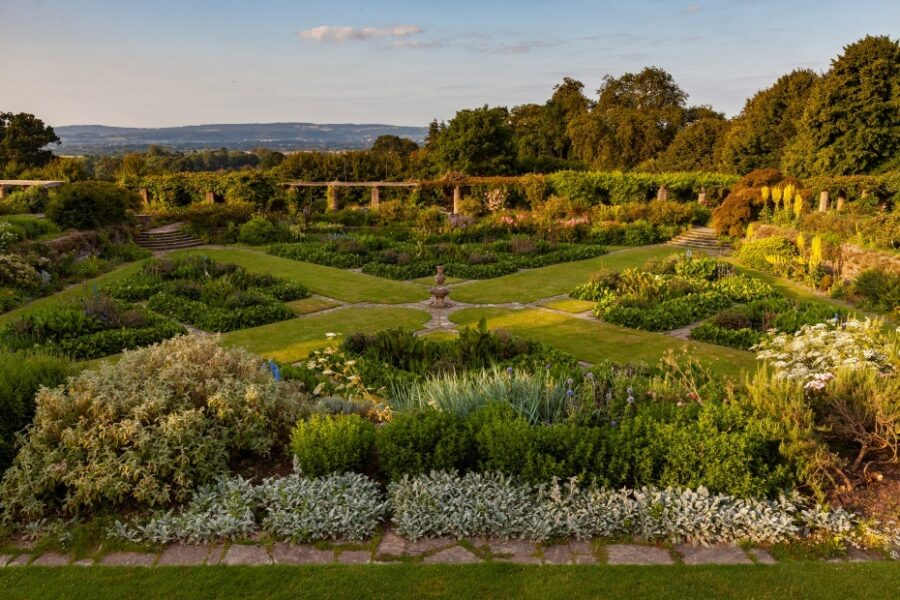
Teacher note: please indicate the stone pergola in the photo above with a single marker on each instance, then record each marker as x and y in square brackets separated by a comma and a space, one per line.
[331, 188]
[5, 184]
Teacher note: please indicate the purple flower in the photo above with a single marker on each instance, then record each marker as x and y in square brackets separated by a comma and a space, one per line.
[570, 393]
[509, 370]
[613, 423]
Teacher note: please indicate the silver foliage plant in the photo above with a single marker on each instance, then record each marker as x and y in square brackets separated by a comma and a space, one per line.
[346, 506]
[446, 504]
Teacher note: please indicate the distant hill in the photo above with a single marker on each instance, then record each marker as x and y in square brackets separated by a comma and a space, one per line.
[99, 139]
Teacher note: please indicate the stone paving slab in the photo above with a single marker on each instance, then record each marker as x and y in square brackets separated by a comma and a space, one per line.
[19, 561]
[392, 544]
[513, 547]
[519, 559]
[457, 555]
[859, 555]
[714, 555]
[84, 562]
[558, 554]
[585, 559]
[290, 554]
[632, 554]
[128, 559]
[581, 547]
[355, 557]
[239, 554]
[184, 555]
[429, 545]
[762, 556]
[5, 558]
[51, 559]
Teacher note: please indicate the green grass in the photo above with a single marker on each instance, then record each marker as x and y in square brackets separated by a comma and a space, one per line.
[593, 340]
[325, 281]
[570, 305]
[311, 305]
[534, 284]
[75, 291]
[292, 340]
[797, 581]
[429, 280]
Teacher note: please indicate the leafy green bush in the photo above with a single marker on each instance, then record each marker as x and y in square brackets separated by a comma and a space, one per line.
[326, 444]
[21, 376]
[755, 253]
[259, 231]
[421, 441]
[15, 272]
[146, 431]
[88, 328]
[879, 289]
[91, 205]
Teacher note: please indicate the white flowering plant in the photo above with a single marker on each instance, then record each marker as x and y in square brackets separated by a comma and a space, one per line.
[813, 354]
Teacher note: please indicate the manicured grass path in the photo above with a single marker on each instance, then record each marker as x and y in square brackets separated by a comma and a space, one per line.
[593, 340]
[534, 284]
[797, 581]
[292, 340]
[326, 281]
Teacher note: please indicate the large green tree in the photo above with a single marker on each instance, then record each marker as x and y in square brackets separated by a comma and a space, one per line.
[697, 147]
[767, 124]
[477, 142]
[23, 142]
[851, 123]
[636, 117]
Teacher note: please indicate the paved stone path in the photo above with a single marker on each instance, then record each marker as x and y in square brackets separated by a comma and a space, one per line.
[393, 549]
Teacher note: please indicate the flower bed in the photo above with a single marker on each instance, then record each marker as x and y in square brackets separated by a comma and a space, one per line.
[212, 296]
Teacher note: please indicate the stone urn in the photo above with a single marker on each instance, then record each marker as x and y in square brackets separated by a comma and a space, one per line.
[439, 292]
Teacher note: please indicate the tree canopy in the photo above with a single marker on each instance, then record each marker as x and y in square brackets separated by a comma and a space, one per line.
[851, 123]
[477, 142]
[23, 142]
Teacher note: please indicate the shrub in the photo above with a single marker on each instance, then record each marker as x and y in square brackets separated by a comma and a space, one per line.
[294, 508]
[420, 441]
[757, 253]
[146, 431]
[15, 272]
[258, 231]
[326, 444]
[21, 376]
[91, 205]
[493, 505]
[880, 290]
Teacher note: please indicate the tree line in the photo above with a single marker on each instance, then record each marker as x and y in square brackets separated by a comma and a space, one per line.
[845, 121]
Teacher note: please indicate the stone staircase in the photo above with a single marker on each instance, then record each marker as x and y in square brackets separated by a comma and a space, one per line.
[703, 238]
[169, 237]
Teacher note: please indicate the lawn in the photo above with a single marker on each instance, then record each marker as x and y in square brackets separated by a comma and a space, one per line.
[292, 340]
[570, 305]
[310, 305]
[534, 284]
[347, 286]
[825, 581]
[594, 340]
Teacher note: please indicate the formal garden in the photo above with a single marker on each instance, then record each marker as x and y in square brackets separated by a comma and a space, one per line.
[509, 360]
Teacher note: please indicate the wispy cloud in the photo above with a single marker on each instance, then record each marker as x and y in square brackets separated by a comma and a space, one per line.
[337, 35]
[694, 8]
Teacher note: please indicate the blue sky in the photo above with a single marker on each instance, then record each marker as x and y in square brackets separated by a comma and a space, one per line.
[178, 62]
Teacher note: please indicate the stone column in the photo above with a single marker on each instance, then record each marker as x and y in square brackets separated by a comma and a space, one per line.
[840, 202]
[457, 197]
[823, 201]
[331, 198]
[145, 196]
[376, 198]
[662, 194]
[210, 197]
[2, 192]
[701, 198]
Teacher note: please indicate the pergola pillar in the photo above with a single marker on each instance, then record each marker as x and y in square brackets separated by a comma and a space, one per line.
[331, 198]
[662, 194]
[145, 196]
[841, 200]
[701, 197]
[2, 192]
[823, 201]
[376, 197]
[210, 197]
[457, 197]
